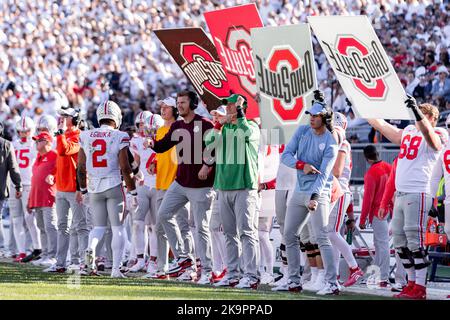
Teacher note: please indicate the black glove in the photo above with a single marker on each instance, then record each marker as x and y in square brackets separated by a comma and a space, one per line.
[319, 96]
[412, 104]
[329, 123]
[348, 102]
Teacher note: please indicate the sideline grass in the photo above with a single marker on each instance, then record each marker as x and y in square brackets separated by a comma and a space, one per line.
[27, 282]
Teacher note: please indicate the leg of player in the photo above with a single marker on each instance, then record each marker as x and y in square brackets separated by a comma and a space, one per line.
[80, 231]
[382, 251]
[17, 217]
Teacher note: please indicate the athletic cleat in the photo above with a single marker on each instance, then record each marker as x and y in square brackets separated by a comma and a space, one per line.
[138, 266]
[47, 262]
[35, 255]
[293, 286]
[406, 290]
[267, 278]
[152, 266]
[55, 269]
[116, 273]
[281, 287]
[384, 285]
[216, 278]
[317, 285]
[329, 289]
[188, 275]
[227, 282]
[282, 281]
[205, 279]
[20, 257]
[37, 261]
[247, 283]
[417, 293]
[178, 268]
[397, 287]
[355, 275]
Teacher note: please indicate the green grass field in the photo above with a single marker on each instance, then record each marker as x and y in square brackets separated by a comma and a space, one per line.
[19, 281]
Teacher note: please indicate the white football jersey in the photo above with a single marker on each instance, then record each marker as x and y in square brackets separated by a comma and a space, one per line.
[416, 161]
[147, 155]
[344, 179]
[286, 176]
[102, 146]
[25, 154]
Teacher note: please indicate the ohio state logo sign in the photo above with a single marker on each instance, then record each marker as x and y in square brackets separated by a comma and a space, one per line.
[364, 64]
[237, 57]
[204, 72]
[285, 78]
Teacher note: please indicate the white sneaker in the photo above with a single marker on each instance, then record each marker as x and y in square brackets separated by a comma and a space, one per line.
[37, 262]
[73, 267]
[227, 282]
[281, 287]
[205, 279]
[319, 283]
[52, 268]
[115, 273]
[267, 278]
[282, 281]
[188, 275]
[329, 289]
[247, 283]
[152, 267]
[48, 262]
[138, 266]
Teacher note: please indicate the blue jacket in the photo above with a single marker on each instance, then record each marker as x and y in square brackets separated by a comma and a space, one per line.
[318, 150]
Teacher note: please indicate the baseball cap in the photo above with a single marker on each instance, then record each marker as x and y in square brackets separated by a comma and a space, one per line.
[220, 111]
[317, 108]
[43, 136]
[233, 99]
[168, 101]
[69, 111]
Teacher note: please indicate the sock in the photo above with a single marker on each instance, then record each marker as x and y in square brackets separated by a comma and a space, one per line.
[19, 234]
[153, 241]
[117, 245]
[95, 236]
[314, 274]
[421, 276]
[411, 274]
[138, 237]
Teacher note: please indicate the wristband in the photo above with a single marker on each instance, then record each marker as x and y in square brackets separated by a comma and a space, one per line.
[83, 190]
[218, 126]
[59, 132]
[418, 114]
[299, 165]
[133, 192]
[314, 196]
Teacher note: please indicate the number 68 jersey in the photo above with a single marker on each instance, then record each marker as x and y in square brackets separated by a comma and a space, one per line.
[416, 161]
[102, 147]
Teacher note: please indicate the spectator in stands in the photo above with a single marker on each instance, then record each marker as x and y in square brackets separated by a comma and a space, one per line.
[374, 183]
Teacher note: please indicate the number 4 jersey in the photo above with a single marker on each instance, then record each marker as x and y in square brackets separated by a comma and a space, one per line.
[102, 147]
[416, 161]
[25, 154]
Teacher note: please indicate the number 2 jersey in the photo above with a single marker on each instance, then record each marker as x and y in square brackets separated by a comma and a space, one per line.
[102, 147]
[416, 161]
[25, 155]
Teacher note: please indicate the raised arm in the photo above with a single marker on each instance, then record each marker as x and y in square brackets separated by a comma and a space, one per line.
[392, 133]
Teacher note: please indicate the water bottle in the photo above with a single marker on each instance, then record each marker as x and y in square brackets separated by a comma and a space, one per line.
[349, 238]
[441, 228]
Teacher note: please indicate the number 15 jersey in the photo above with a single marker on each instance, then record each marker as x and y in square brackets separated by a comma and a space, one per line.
[416, 161]
[102, 147]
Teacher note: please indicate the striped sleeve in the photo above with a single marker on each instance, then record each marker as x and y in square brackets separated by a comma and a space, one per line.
[124, 140]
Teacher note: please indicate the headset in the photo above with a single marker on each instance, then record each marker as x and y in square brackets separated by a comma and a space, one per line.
[1, 129]
[175, 112]
[193, 100]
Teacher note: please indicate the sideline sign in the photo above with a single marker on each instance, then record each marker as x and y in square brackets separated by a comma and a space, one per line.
[361, 66]
[285, 76]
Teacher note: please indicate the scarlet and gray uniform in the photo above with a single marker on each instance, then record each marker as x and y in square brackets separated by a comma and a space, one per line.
[413, 199]
[25, 151]
[106, 194]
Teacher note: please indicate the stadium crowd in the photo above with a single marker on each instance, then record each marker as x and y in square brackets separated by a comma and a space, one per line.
[88, 51]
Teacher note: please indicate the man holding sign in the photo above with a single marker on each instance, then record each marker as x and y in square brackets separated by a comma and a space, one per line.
[420, 148]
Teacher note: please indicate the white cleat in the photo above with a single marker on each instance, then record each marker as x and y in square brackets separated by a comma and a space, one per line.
[138, 266]
[267, 278]
[115, 273]
[205, 279]
[47, 262]
[152, 267]
[329, 289]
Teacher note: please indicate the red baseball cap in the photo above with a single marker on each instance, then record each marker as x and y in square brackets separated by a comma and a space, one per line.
[43, 136]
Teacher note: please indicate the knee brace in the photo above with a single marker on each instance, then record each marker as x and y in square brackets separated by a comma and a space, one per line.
[310, 250]
[406, 257]
[420, 257]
